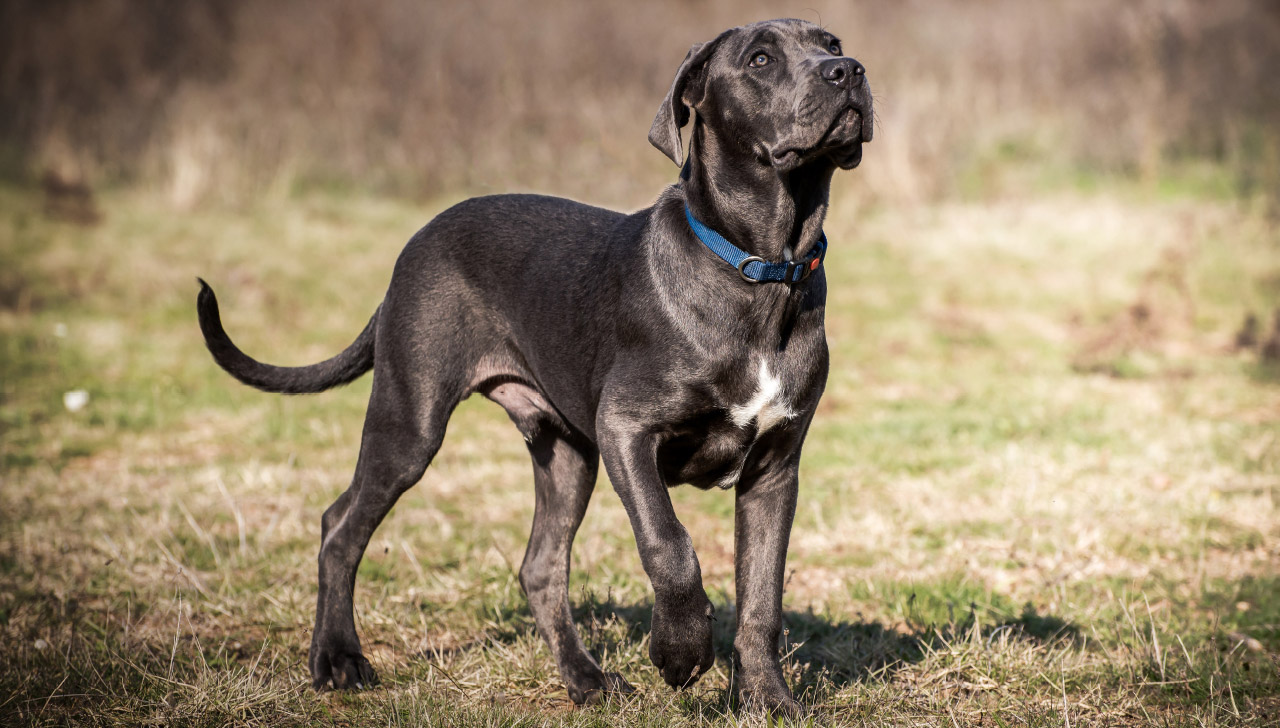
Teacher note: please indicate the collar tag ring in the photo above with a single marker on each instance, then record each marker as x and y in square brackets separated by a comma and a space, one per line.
[742, 268]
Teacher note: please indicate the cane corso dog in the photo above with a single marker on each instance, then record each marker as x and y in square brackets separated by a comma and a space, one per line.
[683, 343]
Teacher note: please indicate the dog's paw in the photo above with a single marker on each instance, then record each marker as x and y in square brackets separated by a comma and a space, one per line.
[599, 689]
[775, 702]
[680, 643]
[343, 669]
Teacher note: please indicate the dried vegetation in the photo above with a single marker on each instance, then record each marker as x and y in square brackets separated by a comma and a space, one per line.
[1041, 491]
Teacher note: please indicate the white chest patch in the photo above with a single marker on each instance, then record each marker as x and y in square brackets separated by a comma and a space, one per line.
[766, 406]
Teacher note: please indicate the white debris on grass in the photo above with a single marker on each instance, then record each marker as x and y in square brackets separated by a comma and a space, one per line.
[75, 400]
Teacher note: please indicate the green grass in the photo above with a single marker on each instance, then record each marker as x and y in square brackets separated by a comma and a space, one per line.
[1022, 505]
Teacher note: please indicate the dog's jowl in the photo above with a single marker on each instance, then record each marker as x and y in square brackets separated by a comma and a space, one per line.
[679, 344]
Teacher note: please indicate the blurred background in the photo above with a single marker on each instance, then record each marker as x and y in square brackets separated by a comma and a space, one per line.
[228, 100]
[1043, 481]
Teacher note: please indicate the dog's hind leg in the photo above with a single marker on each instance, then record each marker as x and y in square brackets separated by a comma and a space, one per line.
[564, 473]
[402, 433]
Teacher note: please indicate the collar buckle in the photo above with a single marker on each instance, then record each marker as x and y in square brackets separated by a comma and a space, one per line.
[789, 272]
[796, 271]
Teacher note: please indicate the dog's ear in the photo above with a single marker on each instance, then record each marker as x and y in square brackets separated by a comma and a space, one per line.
[687, 88]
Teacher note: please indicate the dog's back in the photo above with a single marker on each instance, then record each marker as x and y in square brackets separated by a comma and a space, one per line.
[522, 277]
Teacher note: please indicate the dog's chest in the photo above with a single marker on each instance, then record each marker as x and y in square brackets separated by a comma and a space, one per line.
[767, 407]
[711, 449]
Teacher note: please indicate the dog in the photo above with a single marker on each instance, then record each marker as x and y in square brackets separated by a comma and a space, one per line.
[683, 343]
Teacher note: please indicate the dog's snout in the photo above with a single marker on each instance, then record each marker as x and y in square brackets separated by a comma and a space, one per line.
[842, 72]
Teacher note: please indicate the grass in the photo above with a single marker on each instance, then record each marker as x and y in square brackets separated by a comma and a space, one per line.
[1022, 505]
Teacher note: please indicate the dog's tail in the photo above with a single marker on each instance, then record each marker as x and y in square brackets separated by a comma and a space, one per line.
[344, 368]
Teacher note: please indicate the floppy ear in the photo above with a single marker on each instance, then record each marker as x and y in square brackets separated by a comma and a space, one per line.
[674, 112]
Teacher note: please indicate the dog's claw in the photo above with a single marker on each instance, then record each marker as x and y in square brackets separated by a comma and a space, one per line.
[344, 672]
[610, 684]
[773, 706]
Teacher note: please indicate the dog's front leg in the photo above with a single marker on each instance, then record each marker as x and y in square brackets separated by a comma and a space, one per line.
[680, 640]
[765, 506]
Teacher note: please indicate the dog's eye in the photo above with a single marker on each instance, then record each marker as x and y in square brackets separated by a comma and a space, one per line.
[834, 48]
[759, 59]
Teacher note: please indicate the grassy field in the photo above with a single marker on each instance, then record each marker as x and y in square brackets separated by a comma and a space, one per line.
[1041, 489]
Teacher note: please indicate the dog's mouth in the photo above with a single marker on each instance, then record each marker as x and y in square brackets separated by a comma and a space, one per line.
[847, 157]
[841, 142]
[847, 124]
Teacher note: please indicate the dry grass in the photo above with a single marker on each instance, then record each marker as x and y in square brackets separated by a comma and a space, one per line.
[1042, 488]
[990, 532]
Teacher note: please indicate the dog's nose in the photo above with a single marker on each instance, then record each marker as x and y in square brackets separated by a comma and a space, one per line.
[842, 72]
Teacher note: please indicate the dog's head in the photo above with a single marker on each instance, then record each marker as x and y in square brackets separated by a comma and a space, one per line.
[783, 91]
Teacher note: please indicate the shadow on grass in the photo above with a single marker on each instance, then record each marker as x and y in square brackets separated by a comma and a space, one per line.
[821, 654]
[835, 654]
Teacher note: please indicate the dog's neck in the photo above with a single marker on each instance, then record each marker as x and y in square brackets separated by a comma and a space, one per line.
[776, 216]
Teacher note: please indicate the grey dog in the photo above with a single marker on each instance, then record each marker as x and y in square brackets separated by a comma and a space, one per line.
[622, 337]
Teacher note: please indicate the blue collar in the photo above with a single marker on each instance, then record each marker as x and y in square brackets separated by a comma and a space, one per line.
[755, 269]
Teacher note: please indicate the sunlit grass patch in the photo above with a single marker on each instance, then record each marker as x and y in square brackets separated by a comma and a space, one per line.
[988, 533]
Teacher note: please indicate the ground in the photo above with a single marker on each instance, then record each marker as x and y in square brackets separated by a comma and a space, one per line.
[1041, 488]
